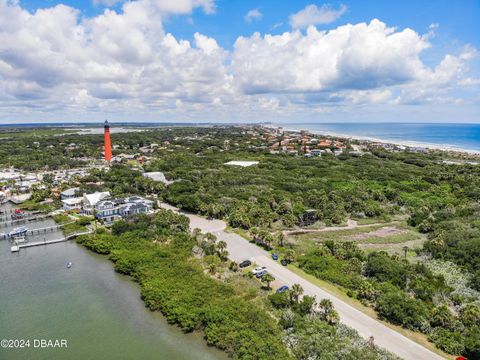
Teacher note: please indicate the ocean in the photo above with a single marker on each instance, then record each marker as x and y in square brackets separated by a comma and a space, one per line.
[442, 136]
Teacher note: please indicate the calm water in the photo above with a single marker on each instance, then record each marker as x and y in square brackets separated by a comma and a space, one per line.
[97, 311]
[455, 136]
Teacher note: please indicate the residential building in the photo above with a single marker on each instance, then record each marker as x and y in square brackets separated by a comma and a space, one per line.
[115, 209]
[72, 204]
[69, 193]
[90, 201]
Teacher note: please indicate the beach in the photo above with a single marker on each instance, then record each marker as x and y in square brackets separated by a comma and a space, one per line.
[335, 130]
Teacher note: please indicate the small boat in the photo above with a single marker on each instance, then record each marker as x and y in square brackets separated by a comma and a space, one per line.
[69, 265]
[22, 230]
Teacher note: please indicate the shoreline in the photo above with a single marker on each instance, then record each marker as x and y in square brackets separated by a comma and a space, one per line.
[407, 143]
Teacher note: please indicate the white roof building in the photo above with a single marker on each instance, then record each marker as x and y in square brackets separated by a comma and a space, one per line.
[69, 193]
[157, 176]
[241, 163]
[74, 203]
[91, 200]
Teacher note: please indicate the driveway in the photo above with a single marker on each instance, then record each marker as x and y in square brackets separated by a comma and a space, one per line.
[240, 249]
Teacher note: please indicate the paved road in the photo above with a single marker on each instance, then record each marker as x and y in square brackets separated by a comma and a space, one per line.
[240, 249]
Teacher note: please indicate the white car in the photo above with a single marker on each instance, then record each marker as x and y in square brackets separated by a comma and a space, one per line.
[258, 269]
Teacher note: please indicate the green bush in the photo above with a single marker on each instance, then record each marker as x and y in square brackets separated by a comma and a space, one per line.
[399, 308]
[176, 285]
[448, 341]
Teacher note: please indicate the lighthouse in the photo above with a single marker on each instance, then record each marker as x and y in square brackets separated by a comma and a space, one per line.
[107, 143]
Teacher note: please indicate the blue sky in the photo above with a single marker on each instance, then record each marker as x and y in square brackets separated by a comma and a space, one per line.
[418, 62]
[460, 21]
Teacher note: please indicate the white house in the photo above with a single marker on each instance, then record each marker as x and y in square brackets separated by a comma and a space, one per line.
[89, 201]
[69, 193]
[111, 210]
[70, 204]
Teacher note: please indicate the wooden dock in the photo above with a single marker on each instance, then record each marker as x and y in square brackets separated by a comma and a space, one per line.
[5, 223]
[18, 246]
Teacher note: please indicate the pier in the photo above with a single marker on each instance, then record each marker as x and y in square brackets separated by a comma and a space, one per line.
[5, 223]
[17, 246]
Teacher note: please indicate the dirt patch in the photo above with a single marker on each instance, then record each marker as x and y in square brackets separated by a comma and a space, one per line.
[380, 233]
[411, 244]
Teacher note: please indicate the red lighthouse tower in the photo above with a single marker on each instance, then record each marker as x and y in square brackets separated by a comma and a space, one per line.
[107, 142]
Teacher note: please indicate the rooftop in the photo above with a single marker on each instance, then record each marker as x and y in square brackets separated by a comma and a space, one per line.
[70, 192]
[241, 163]
[156, 176]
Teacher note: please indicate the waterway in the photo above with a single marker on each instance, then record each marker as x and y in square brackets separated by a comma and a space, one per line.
[97, 311]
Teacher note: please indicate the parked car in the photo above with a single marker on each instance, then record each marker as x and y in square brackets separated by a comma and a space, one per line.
[258, 269]
[275, 256]
[282, 289]
[261, 273]
[245, 263]
[284, 262]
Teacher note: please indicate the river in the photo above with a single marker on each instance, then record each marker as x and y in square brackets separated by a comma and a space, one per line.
[97, 311]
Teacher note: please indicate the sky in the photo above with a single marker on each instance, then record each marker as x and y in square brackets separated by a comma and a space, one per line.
[239, 61]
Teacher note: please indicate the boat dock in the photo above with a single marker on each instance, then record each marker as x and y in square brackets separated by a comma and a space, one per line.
[4, 223]
[36, 231]
[17, 246]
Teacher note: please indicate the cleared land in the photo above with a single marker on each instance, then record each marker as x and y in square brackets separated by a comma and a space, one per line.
[391, 237]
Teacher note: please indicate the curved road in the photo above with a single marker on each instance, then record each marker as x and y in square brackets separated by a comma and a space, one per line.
[240, 249]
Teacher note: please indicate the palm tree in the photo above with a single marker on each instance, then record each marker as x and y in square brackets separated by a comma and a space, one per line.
[212, 267]
[268, 278]
[405, 251]
[254, 233]
[328, 312]
[281, 238]
[211, 238]
[223, 255]
[221, 245]
[289, 255]
[268, 240]
[296, 292]
[212, 262]
[196, 232]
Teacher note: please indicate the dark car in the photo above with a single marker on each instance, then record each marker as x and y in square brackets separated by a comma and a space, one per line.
[261, 273]
[282, 289]
[245, 263]
[284, 262]
[275, 256]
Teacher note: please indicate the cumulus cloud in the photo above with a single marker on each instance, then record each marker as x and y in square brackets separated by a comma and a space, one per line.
[110, 56]
[314, 15]
[253, 14]
[123, 61]
[361, 56]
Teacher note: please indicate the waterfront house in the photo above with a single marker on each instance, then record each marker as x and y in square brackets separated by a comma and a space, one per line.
[69, 193]
[90, 201]
[72, 204]
[115, 209]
